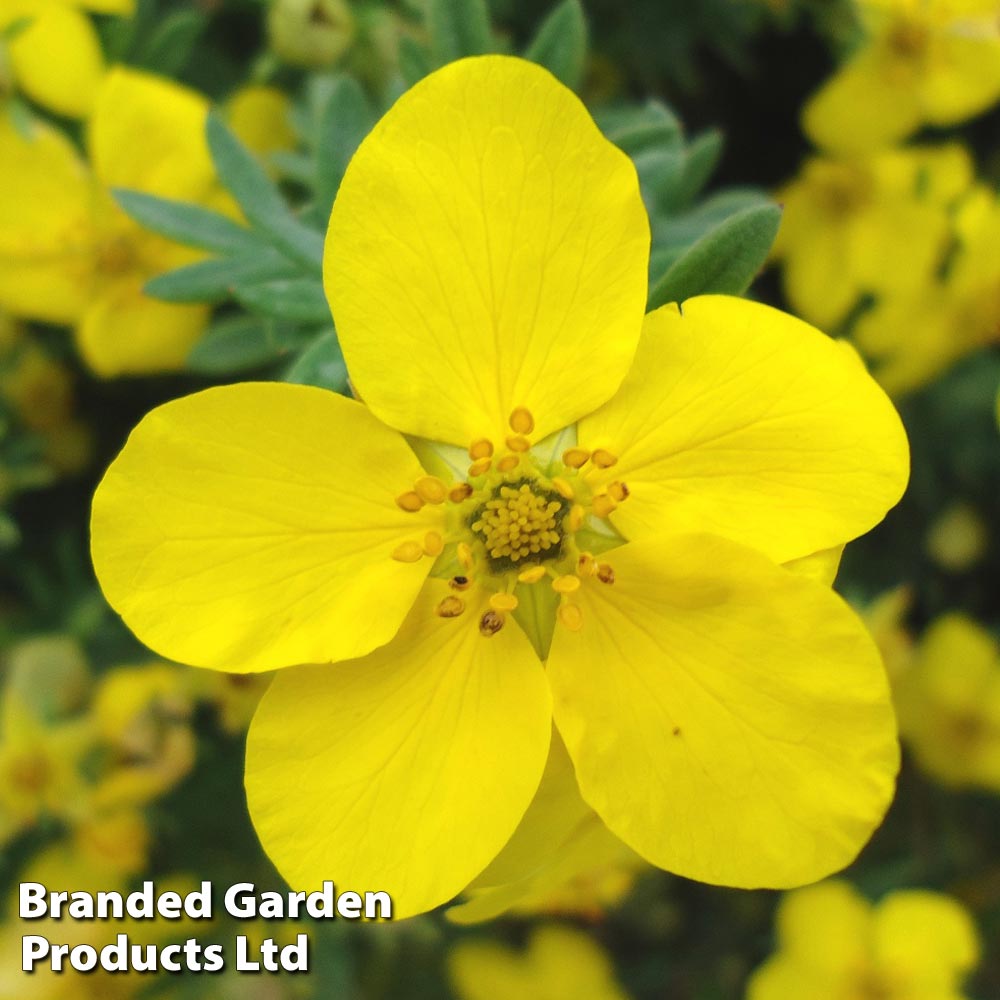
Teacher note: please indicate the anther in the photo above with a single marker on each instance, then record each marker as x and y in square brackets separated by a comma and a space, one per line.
[433, 544]
[603, 458]
[408, 552]
[586, 565]
[605, 573]
[574, 522]
[459, 492]
[480, 466]
[480, 449]
[491, 622]
[603, 505]
[518, 443]
[570, 616]
[566, 584]
[562, 487]
[430, 489]
[450, 607]
[459, 583]
[576, 458]
[618, 491]
[521, 421]
[464, 553]
[503, 602]
[410, 501]
[508, 462]
[532, 575]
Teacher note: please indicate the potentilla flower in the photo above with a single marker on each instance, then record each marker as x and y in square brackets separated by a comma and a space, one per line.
[52, 52]
[914, 944]
[594, 531]
[68, 254]
[923, 62]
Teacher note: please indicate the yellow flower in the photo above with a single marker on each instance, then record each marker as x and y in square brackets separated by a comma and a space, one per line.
[54, 53]
[949, 704]
[640, 482]
[68, 254]
[913, 337]
[878, 225]
[40, 768]
[832, 943]
[923, 62]
[559, 962]
[259, 116]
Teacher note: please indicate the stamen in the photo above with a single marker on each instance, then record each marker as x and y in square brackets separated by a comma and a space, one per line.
[503, 602]
[566, 584]
[430, 489]
[459, 583]
[450, 607]
[605, 573]
[508, 462]
[562, 487]
[520, 522]
[521, 421]
[480, 467]
[433, 543]
[603, 458]
[532, 575]
[570, 616]
[586, 565]
[408, 552]
[410, 501]
[518, 443]
[603, 505]
[576, 458]
[575, 520]
[464, 553]
[483, 448]
[491, 623]
[459, 492]
[619, 491]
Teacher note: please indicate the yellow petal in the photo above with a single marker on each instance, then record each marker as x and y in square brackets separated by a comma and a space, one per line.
[172, 160]
[125, 332]
[743, 421]
[929, 936]
[57, 59]
[405, 771]
[963, 76]
[826, 927]
[252, 526]
[559, 962]
[822, 566]
[259, 115]
[871, 102]
[487, 250]
[45, 226]
[729, 720]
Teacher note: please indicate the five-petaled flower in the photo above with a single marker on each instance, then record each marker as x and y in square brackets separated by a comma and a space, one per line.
[612, 551]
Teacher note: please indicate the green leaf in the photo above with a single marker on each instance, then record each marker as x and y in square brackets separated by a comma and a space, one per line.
[184, 223]
[216, 280]
[168, 50]
[725, 260]
[414, 60]
[243, 343]
[345, 120]
[633, 130]
[702, 158]
[321, 363]
[560, 44]
[300, 299]
[458, 28]
[260, 199]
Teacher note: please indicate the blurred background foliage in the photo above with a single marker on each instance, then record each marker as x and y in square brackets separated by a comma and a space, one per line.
[114, 768]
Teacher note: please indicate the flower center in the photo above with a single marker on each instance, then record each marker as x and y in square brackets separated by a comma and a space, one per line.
[521, 517]
[521, 524]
